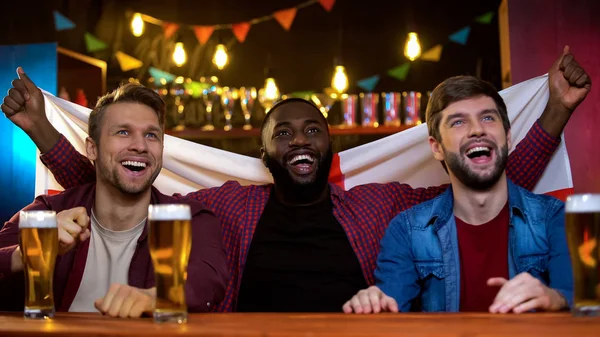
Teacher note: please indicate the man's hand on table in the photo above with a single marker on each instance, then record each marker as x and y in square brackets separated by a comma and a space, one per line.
[126, 301]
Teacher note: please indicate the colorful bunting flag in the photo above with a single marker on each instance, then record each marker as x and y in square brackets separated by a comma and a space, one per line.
[93, 44]
[486, 18]
[203, 33]
[432, 54]
[327, 4]
[302, 94]
[158, 74]
[400, 72]
[170, 29]
[285, 17]
[461, 36]
[196, 88]
[127, 62]
[369, 83]
[61, 22]
[240, 30]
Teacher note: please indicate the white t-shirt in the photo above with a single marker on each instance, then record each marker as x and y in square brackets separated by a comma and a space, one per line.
[108, 260]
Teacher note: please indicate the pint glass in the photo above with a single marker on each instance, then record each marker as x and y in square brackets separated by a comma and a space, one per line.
[583, 235]
[38, 242]
[170, 241]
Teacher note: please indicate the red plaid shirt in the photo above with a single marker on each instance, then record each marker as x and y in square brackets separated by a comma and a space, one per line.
[363, 211]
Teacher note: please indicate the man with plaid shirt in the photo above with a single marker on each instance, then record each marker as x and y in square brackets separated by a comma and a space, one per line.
[302, 244]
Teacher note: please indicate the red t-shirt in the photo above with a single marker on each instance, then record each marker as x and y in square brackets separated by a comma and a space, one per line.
[483, 253]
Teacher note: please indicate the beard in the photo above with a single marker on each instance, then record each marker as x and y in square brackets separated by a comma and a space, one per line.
[296, 192]
[458, 166]
[112, 177]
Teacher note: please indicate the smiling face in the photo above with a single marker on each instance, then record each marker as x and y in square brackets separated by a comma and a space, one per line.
[297, 148]
[128, 155]
[474, 144]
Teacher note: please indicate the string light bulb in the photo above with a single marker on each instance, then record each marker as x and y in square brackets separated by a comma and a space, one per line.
[268, 95]
[179, 56]
[137, 25]
[220, 58]
[339, 82]
[412, 50]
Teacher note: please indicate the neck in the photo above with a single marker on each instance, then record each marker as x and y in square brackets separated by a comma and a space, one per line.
[297, 198]
[120, 211]
[479, 207]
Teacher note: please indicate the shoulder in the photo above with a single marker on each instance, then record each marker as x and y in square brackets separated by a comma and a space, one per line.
[539, 204]
[69, 198]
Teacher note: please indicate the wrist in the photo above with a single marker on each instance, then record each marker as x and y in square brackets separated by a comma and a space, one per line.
[558, 301]
[44, 135]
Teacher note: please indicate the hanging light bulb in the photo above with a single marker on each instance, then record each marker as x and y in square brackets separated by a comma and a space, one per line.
[268, 95]
[137, 25]
[220, 58]
[179, 56]
[339, 82]
[412, 50]
[271, 90]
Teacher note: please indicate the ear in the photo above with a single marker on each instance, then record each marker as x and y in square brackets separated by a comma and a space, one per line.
[91, 149]
[509, 140]
[262, 156]
[436, 148]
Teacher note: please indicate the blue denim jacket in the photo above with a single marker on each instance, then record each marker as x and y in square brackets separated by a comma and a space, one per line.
[419, 261]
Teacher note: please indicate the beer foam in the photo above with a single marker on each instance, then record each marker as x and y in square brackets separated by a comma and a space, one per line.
[169, 212]
[583, 203]
[37, 219]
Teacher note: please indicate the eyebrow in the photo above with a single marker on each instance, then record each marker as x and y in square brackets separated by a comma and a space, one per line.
[462, 114]
[306, 122]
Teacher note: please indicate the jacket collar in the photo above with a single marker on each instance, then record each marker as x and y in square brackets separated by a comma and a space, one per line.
[442, 206]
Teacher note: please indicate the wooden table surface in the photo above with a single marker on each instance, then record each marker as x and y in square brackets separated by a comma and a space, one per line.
[313, 325]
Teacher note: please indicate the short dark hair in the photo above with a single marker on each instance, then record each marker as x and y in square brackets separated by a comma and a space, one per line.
[131, 93]
[278, 105]
[456, 89]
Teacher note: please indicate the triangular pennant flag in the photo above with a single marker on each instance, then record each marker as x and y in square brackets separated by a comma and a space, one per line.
[203, 33]
[93, 44]
[158, 74]
[196, 88]
[327, 4]
[400, 72]
[285, 17]
[127, 62]
[369, 83]
[432, 54]
[61, 22]
[170, 29]
[486, 18]
[302, 94]
[240, 30]
[461, 36]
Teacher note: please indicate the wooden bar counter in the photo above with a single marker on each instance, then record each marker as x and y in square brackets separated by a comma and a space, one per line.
[309, 325]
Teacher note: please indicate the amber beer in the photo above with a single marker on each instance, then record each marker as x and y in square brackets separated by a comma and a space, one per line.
[583, 235]
[170, 241]
[38, 242]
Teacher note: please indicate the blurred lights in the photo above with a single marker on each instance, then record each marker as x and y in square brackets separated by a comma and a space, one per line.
[137, 25]
[339, 82]
[220, 58]
[412, 50]
[179, 56]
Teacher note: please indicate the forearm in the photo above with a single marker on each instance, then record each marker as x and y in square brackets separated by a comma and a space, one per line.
[10, 260]
[554, 120]
[44, 135]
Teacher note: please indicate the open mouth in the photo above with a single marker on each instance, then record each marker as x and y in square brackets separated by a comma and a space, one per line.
[479, 154]
[134, 166]
[302, 163]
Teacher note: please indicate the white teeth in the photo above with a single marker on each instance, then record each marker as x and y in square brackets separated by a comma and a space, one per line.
[133, 163]
[299, 157]
[477, 149]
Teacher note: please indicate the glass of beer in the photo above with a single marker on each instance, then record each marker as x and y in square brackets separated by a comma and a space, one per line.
[170, 241]
[583, 235]
[38, 241]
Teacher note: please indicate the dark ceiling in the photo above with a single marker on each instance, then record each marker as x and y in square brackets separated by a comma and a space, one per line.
[372, 38]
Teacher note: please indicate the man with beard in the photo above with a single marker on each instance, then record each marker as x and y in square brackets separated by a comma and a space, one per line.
[483, 245]
[302, 244]
[104, 263]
